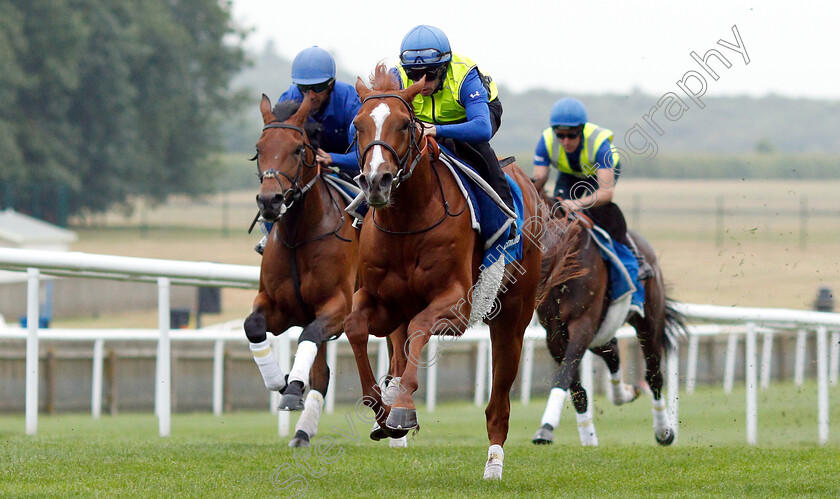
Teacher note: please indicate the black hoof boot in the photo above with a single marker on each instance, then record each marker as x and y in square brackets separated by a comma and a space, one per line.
[666, 439]
[292, 399]
[400, 419]
[301, 439]
[544, 436]
[378, 432]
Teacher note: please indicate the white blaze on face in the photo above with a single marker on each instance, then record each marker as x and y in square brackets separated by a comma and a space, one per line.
[379, 114]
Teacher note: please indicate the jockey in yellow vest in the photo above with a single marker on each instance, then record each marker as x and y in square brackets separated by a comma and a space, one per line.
[457, 105]
[588, 168]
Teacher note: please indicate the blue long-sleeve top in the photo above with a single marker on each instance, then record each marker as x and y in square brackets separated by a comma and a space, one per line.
[565, 182]
[474, 97]
[336, 117]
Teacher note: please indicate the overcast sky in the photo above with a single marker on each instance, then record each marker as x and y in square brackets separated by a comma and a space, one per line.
[579, 47]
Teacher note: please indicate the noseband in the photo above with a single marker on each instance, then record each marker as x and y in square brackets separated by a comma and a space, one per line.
[414, 144]
[294, 192]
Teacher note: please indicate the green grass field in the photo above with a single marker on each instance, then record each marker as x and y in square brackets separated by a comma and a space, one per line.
[240, 454]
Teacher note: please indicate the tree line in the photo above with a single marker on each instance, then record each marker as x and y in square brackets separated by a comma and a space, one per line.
[105, 100]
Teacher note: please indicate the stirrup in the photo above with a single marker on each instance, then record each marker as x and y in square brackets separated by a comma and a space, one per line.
[645, 269]
[260, 247]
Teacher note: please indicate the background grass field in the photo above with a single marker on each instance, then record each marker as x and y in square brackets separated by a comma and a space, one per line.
[239, 454]
[756, 257]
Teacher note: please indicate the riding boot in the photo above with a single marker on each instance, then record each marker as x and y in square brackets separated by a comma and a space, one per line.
[645, 270]
[265, 227]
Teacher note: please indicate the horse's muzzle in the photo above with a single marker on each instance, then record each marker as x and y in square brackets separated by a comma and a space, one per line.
[272, 205]
[376, 186]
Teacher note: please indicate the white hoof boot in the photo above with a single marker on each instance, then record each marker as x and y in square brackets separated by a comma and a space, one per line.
[586, 430]
[495, 463]
[663, 430]
[398, 443]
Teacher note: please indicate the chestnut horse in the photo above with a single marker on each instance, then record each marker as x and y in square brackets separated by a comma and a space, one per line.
[419, 259]
[572, 315]
[308, 272]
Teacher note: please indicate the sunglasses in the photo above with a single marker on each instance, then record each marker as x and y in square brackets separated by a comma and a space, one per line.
[317, 87]
[416, 74]
[568, 135]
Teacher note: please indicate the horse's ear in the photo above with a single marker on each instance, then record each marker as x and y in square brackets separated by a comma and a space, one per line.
[265, 109]
[411, 92]
[362, 89]
[303, 111]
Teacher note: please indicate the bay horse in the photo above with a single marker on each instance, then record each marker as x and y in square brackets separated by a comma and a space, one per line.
[419, 259]
[572, 315]
[309, 265]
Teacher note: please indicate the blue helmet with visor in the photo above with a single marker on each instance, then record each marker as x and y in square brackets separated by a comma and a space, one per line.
[424, 51]
[313, 66]
[568, 113]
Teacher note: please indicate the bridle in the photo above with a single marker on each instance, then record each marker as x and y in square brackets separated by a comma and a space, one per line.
[414, 143]
[403, 173]
[295, 192]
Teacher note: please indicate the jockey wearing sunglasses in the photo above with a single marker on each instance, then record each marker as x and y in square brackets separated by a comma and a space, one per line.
[458, 105]
[334, 106]
[588, 168]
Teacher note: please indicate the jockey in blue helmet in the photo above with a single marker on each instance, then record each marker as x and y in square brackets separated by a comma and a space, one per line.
[588, 169]
[460, 105]
[334, 106]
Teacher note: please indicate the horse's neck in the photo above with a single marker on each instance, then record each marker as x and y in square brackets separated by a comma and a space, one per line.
[309, 214]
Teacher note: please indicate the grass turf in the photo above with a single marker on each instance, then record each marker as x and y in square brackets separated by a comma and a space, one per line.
[240, 454]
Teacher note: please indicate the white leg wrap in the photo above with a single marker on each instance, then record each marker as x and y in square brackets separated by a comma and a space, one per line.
[495, 463]
[551, 416]
[304, 358]
[391, 392]
[399, 443]
[586, 430]
[273, 376]
[661, 421]
[308, 421]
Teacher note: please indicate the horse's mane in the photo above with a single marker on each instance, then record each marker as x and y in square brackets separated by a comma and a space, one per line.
[383, 80]
[285, 109]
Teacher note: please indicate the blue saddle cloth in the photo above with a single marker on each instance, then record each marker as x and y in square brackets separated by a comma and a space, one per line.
[490, 221]
[623, 269]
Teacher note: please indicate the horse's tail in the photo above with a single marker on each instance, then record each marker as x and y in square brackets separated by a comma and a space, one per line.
[676, 327]
[559, 240]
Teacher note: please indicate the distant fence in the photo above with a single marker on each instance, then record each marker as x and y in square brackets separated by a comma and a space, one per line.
[746, 322]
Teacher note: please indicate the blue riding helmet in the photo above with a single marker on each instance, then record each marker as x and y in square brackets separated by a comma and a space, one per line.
[425, 46]
[568, 112]
[312, 66]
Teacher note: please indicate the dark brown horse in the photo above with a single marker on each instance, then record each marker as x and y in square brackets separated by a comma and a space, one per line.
[308, 272]
[572, 315]
[419, 259]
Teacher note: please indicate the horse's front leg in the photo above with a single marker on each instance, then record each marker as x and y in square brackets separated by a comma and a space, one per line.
[319, 380]
[440, 316]
[329, 318]
[256, 327]
[568, 356]
[357, 330]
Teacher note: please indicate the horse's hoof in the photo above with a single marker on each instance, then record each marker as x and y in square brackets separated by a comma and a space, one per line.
[301, 439]
[401, 419]
[544, 435]
[292, 399]
[378, 433]
[667, 438]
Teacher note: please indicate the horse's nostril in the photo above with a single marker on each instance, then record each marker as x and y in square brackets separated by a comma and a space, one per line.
[386, 181]
[363, 182]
